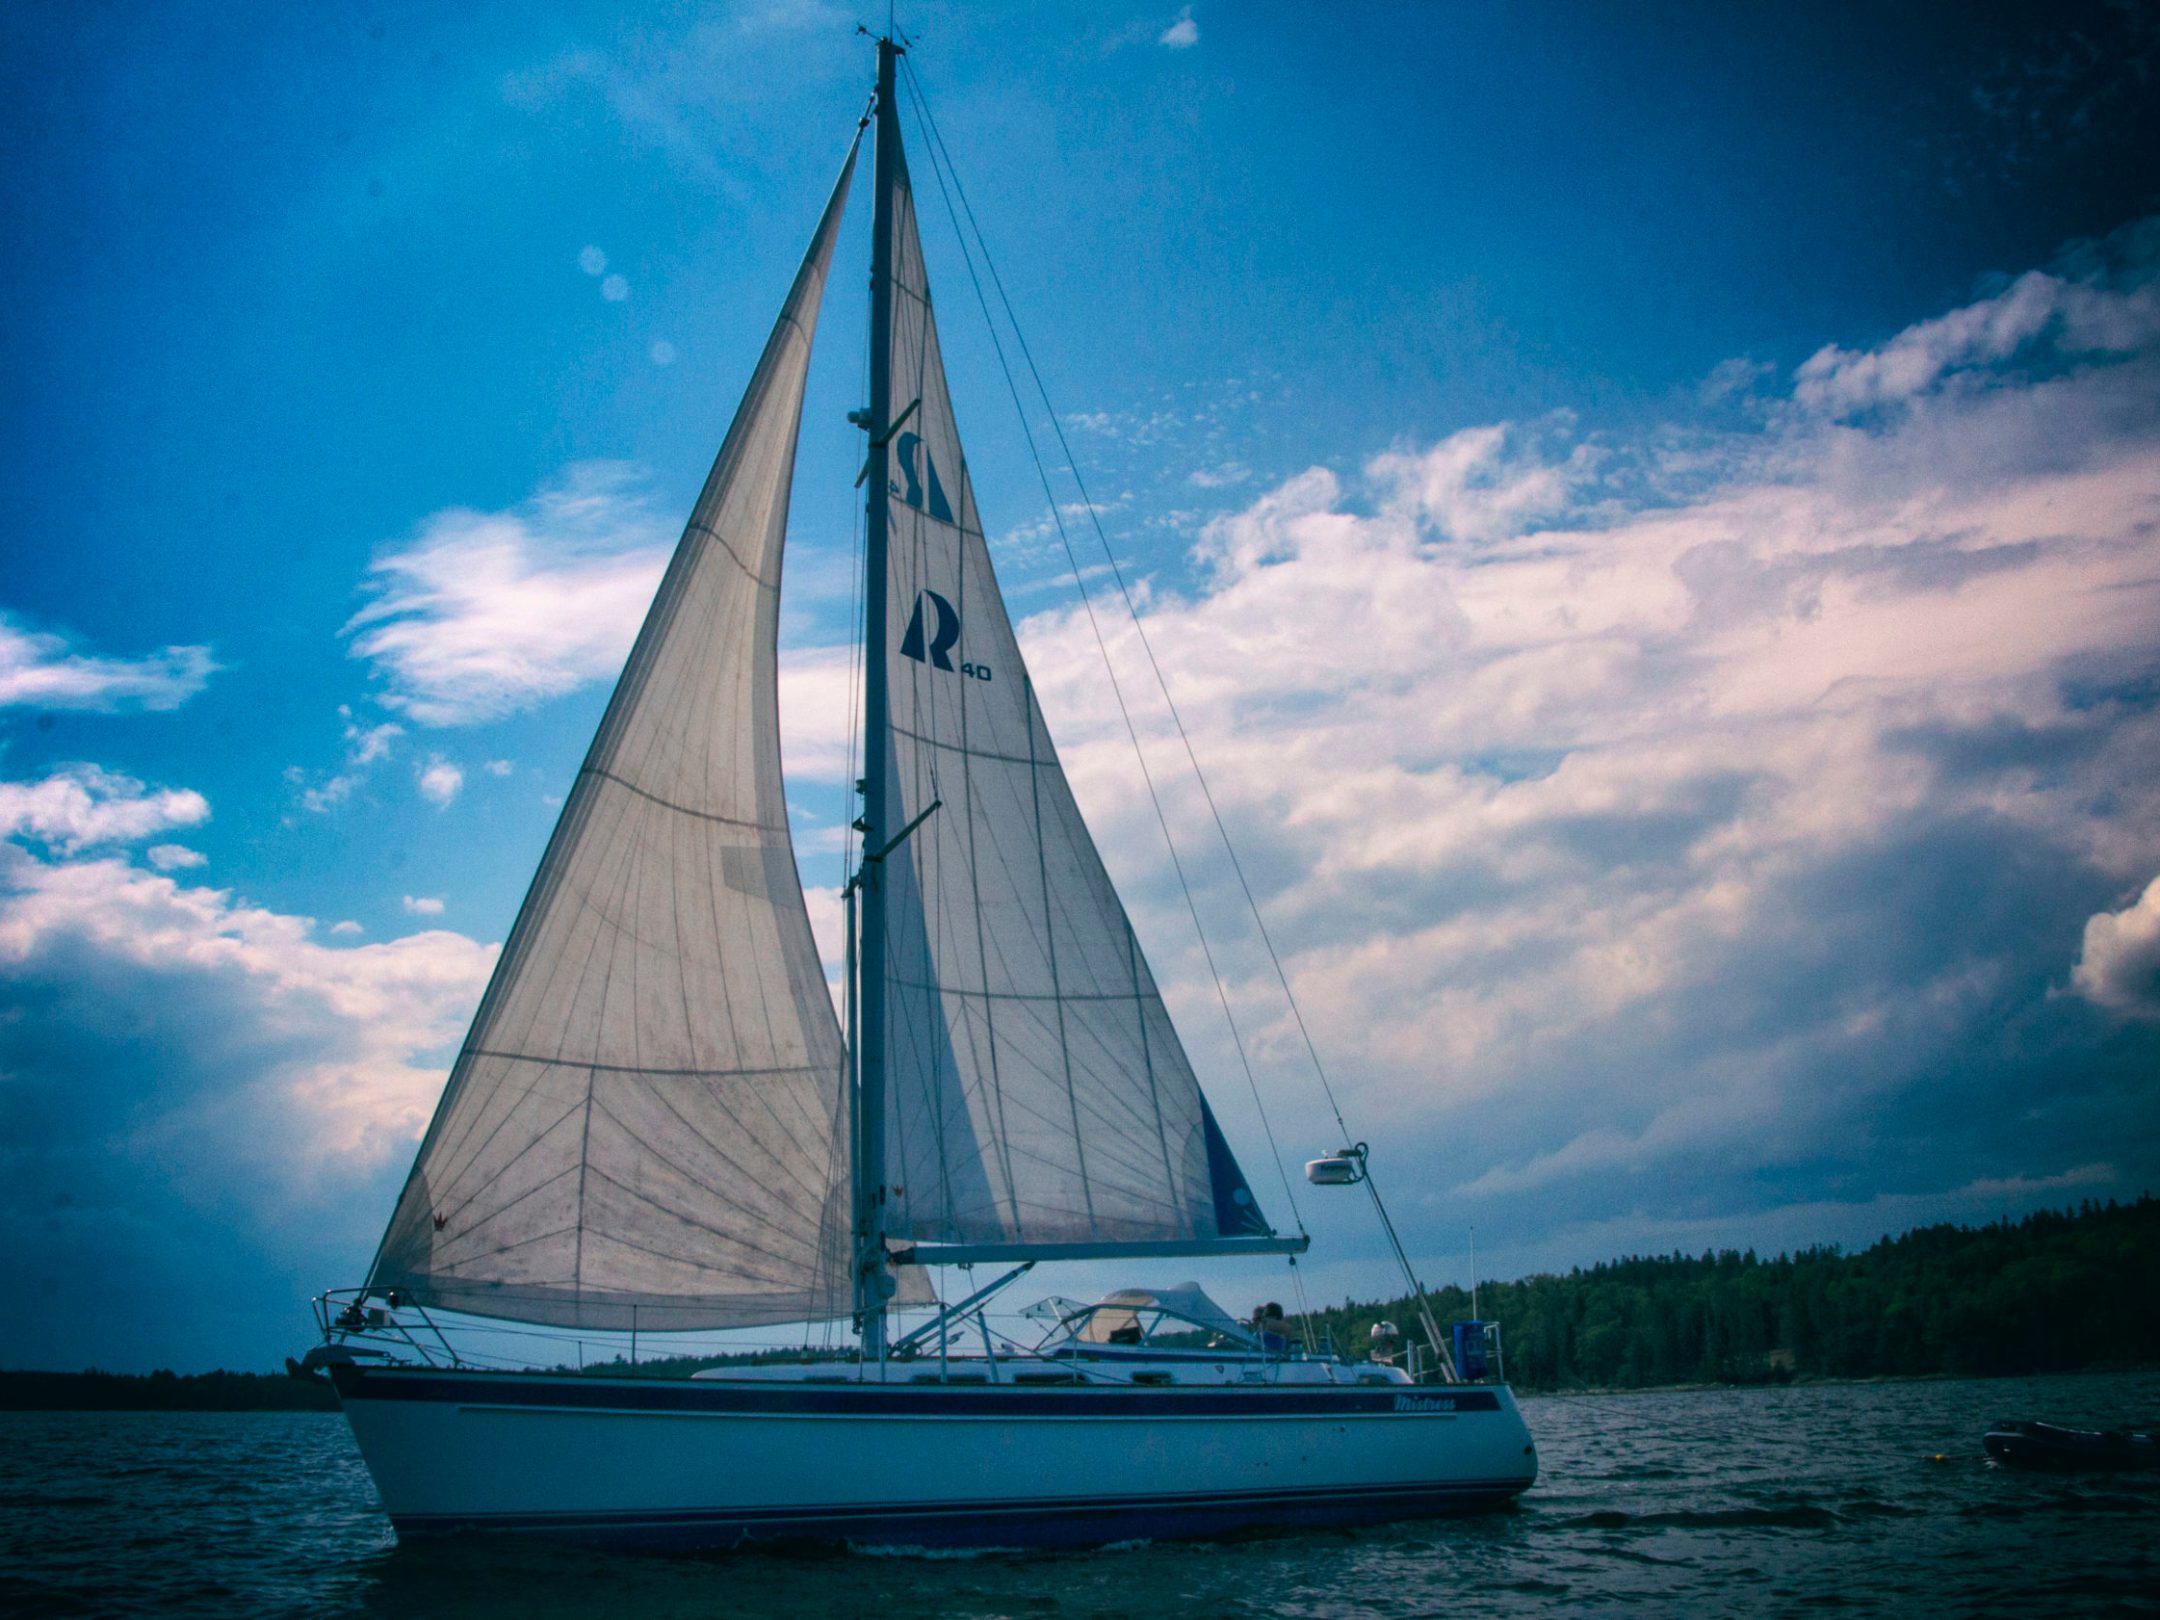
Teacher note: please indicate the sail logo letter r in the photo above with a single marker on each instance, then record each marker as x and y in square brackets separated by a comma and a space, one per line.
[941, 640]
[945, 634]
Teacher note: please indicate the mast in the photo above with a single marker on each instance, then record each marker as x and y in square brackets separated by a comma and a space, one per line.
[872, 1279]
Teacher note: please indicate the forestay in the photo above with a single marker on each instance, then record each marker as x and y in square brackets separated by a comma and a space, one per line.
[1037, 1095]
[647, 1125]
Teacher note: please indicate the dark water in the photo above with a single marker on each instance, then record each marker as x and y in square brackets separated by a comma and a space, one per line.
[1747, 1502]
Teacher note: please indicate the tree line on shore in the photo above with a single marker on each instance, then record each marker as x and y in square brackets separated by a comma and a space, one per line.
[2057, 1291]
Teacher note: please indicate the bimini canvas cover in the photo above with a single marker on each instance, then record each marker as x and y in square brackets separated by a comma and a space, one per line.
[1038, 1095]
[1123, 1311]
[647, 1123]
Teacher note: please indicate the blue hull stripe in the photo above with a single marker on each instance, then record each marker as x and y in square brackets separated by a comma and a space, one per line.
[588, 1393]
[1038, 1522]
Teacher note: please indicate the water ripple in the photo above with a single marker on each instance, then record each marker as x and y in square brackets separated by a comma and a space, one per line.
[1700, 1503]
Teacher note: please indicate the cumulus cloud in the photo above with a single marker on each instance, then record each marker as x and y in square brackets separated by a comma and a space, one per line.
[440, 782]
[2117, 314]
[390, 1002]
[819, 695]
[366, 745]
[1648, 820]
[80, 806]
[423, 905]
[1484, 483]
[194, 1087]
[2119, 967]
[482, 614]
[41, 669]
[1182, 34]
[174, 857]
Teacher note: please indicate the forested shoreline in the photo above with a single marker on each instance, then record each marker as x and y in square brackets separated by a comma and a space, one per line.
[2059, 1291]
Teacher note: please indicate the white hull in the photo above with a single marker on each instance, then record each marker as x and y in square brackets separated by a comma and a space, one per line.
[726, 1462]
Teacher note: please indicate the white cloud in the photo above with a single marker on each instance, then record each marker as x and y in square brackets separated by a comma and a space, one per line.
[828, 926]
[1219, 477]
[486, 613]
[440, 782]
[174, 857]
[196, 1087]
[818, 703]
[1182, 34]
[321, 797]
[1484, 483]
[361, 1084]
[592, 260]
[347, 927]
[423, 906]
[2079, 318]
[82, 806]
[38, 669]
[365, 746]
[2119, 967]
[498, 767]
[1733, 377]
[1624, 805]
[615, 289]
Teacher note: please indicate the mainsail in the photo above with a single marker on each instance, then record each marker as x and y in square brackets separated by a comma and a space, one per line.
[1036, 1097]
[647, 1125]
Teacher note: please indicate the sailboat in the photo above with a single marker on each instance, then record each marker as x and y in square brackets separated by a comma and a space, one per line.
[657, 1125]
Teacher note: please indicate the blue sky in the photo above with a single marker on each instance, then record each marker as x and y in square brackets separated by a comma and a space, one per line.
[1651, 517]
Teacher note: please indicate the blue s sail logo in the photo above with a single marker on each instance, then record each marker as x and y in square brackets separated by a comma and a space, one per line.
[944, 633]
[907, 450]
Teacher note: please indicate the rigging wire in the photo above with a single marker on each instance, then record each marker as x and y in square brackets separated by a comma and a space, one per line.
[940, 166]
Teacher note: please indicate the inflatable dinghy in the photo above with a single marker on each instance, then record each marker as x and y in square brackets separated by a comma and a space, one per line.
[2047, 1446]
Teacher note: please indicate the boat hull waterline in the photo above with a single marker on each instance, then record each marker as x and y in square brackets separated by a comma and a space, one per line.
[713, 1464]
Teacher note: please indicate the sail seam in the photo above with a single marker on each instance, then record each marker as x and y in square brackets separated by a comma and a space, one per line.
[680, 809]
[718, 1152]
[628, 1068]
[662, 1253]
[1021, 995]
[534, 1191]
[706, 529]
[459, 1205]
[1037, 763]
[677, 1215]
